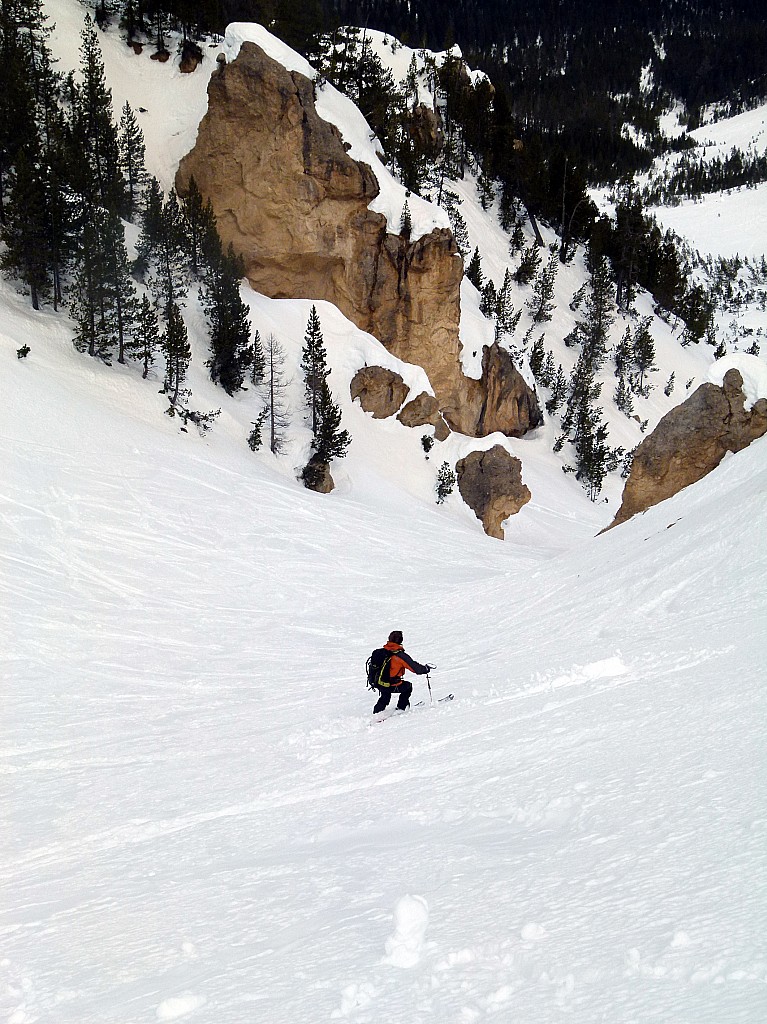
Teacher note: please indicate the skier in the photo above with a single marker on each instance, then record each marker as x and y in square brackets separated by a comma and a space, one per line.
[397, 664]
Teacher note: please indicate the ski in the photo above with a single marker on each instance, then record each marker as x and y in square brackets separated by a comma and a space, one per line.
[439, 700]
[382, 716]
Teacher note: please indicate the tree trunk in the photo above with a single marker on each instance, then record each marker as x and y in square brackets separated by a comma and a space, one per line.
[534, 225]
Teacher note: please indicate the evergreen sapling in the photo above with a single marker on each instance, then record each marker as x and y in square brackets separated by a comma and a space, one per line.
[446, 480]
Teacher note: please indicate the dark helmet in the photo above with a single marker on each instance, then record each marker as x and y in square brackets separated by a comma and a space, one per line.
[395, 636]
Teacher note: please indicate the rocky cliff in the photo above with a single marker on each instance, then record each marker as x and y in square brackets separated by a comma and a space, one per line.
[689, 442]
[294, 204]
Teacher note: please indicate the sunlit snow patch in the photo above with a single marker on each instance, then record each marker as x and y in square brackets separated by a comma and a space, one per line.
[752, 370]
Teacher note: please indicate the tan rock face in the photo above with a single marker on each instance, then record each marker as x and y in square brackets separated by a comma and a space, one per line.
[381, 392]
[294, 205]
[507, 403]
[424, 411]
[689, 442]
[491, 485]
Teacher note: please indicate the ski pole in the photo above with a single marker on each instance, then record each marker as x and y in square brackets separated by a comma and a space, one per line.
[428, 683]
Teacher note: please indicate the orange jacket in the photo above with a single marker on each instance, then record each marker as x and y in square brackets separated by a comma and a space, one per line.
[400, 662]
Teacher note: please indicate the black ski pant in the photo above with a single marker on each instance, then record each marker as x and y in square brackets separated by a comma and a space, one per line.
[403, 692]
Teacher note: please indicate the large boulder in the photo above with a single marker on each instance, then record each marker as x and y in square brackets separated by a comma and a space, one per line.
[423, 411]
[381, 392]
[491, 485]
[316, 476]
[295, 206]
[689, 442]
[502, 399]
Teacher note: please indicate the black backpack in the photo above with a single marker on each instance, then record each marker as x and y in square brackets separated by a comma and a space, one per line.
[378, 667]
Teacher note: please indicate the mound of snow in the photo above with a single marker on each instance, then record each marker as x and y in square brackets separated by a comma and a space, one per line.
[752, 369]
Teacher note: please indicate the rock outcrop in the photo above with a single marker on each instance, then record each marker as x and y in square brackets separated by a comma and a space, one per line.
[381, 392]
[491, 485]
[691, 441]
[423, 411]
[294, 205]
[316, 476]
[501, 400]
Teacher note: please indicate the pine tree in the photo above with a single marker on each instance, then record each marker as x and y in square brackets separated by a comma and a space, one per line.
[540, 302]
[25, 232]
[558, 392]
[623, 398]
[536, 359]
[83, 304]
[61, 205]
[593, 453]
[257, 361]
[623, 354]
[22, 35]
[485, 190]
[528, 265]
[121, 311]
[582, 395]
[669, 388]
[131, 146]
[548, 373]
[330, 441]
[90, 289]
[406, 222]
[509, 207]
[143, 345]
[168, 275]
[278, 415]
[132, 19]
[457, 223]
[474, 270]
[151, 228]
[97, 141]
[488, 304]
[255, 437]
[643, 352]
[446, 481]
[517, 239]
[593, 328]
[315, 369]
[506, 319]
[229, 323]
[204, 246]
[582, 425]
[629, 237]
[178, 353]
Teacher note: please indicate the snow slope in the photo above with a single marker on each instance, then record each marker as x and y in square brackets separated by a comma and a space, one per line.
[732, 223]
[198, 821]
[725, 223]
